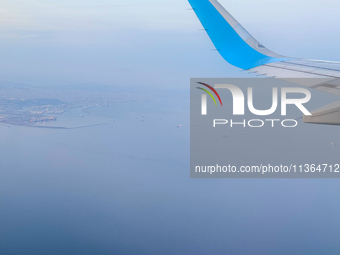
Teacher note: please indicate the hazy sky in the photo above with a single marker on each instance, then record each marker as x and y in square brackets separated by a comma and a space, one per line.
[148, 42]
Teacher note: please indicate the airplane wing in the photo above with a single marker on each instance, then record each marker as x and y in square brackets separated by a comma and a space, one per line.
[242, 50]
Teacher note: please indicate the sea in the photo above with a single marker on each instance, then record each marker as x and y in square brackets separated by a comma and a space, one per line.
[116, 180]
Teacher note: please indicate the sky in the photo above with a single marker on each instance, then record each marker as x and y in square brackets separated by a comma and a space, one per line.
[148, 43]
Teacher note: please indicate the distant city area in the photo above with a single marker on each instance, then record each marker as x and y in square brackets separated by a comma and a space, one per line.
[27, 105]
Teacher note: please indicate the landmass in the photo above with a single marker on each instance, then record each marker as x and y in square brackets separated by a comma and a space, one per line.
[27, 105]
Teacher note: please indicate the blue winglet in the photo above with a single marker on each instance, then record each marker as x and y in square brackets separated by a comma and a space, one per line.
[226, 34]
